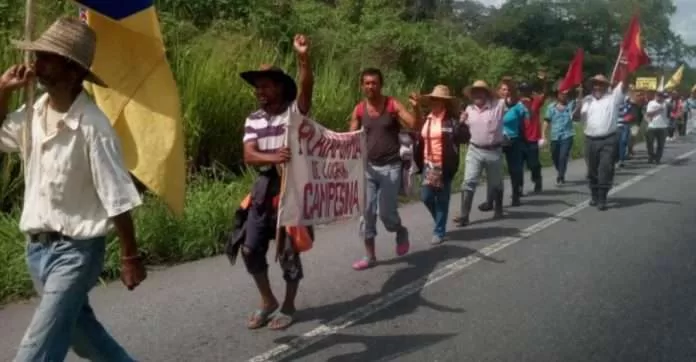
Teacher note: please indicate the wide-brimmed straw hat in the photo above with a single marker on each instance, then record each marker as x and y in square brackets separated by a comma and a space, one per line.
[439, 92]
[480, 85]
[69, 38]
[275, 74]
[601, 79]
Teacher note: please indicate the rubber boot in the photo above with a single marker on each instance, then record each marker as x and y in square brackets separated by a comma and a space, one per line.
[488, 204]
[467, 200]
[516, 195]
[602, 199]
[538, 184]
[498, 201]
[594, 196]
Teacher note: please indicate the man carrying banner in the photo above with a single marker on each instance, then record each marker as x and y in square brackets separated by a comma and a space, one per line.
[382, 118]
[600, 113]
[265, 147]
[77, 187]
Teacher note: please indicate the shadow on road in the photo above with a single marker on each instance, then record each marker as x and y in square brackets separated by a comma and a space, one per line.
[626, 202]
[418, 266]
[373, 348]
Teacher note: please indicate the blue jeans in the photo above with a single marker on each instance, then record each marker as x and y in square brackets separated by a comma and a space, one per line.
[624, 141]
[560, 154]
[63, 273]
[514, 155]
[383, 184]
[437, 201]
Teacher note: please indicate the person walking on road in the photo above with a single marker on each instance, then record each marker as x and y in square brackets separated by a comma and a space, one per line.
[441, 136]
[382, 118]
[484, 118]
[560, 117]
[514, 119]
[533, 98]
[658, 127]
[630, 114]
[76, 189]
[600, 111]
[265, 148]
[690, 112]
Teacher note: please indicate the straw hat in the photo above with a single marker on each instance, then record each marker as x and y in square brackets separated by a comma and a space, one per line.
[275, 74]
[479, 84]
[599, 78]
[439, 92]
[69, 38]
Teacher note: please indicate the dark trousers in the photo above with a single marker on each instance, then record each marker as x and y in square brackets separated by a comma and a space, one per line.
[514, 156]
[600, 155]
[624, 141]
[652, 136]
[530, 157]
[560, 154]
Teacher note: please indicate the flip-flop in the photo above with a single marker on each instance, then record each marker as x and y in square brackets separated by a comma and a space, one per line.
[281, 321]
[259, 319]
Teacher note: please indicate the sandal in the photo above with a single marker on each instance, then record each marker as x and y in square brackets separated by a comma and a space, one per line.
[281, 321]
[364, 263]
[259, 318]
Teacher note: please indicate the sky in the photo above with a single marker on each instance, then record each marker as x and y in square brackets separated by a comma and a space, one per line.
[682, 21]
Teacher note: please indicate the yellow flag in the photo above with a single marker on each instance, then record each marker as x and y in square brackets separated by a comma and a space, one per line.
[142, 100]
[676, 78]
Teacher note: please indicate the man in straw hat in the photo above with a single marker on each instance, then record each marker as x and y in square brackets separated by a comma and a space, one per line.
[382, 117]
[265, 147]
[77, 187]
[485, 121]
[600, 112]
[441, 136]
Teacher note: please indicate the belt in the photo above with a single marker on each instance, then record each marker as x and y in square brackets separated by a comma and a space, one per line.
[601, 137]
[489, 147]
[47, 237]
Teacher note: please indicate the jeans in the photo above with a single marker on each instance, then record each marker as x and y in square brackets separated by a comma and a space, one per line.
[530, 157]
[514, 156]
[624, 141]
[437, 201]
[383, 185]
[63, 273]
[560, 154]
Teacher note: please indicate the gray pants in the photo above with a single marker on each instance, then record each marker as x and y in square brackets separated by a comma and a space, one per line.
[478, 160]
[651, 136]
[383, 184]
[600, 156]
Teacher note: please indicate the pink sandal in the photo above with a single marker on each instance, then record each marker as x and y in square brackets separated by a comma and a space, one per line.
[364, 263]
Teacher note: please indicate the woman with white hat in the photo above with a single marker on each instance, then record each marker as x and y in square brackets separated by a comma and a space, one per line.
[441, 136]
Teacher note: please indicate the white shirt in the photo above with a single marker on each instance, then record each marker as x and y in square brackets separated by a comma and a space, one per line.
[660, 120]
[601, 115]
[75, 178]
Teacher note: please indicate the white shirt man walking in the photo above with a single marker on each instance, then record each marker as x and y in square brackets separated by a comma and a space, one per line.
[658, 127]
[76, 188]
[600, 112]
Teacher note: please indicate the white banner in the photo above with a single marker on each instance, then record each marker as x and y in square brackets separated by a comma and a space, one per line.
[325, 178]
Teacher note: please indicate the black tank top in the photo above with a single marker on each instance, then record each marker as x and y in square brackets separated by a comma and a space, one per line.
[382, 135]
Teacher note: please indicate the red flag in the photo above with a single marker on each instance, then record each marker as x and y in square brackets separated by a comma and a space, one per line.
[632, 55]
[574, 75]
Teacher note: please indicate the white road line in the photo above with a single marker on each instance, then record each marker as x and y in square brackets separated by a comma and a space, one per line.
[345, 321]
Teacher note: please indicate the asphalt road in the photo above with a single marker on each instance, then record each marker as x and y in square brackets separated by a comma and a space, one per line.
[554, 281]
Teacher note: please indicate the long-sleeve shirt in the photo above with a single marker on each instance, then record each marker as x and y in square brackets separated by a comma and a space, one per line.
[601, 114]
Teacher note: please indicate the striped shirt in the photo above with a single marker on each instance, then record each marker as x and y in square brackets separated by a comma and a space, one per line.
[269, 131]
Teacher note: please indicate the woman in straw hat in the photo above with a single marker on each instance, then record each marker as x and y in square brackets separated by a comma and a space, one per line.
[76, 187]
[690, 112]
[559, 122]
[441, 136]
[484, 120]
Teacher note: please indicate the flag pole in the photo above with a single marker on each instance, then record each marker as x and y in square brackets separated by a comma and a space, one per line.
[29, 89]
[616, 65]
